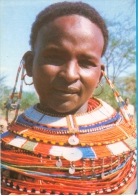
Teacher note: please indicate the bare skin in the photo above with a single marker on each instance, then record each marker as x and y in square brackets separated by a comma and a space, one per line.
[67, 64]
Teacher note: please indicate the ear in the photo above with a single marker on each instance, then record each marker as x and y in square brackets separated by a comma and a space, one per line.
[28, 58]
[102, 68]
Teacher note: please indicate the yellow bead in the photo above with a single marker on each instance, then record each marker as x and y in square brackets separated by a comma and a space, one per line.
[61, 143]
[45, 141]
[99, 144]
[53, 142]
[83, 144]
[24, 135]
[118, 140]
[37, 139]
[106, 142]
[31, 137]
[91, 144]
[112, 141]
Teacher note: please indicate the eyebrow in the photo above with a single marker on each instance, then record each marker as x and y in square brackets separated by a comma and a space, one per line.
[54, 47]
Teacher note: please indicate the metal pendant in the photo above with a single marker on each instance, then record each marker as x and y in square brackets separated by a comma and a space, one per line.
[73, 140]
[71, 170]
[59, 163]
[72, 154]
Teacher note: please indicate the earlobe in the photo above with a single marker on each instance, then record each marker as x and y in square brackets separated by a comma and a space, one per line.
[28, 58]
[102, 69]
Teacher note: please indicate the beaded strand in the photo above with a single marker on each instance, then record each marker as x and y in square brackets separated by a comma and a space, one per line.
[120, 101]
[93, 189]
[8, 106]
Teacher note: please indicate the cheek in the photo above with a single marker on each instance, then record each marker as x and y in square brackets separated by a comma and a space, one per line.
[44, 73]
[91, 79]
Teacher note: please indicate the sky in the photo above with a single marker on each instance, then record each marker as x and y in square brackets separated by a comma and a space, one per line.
[17, 16]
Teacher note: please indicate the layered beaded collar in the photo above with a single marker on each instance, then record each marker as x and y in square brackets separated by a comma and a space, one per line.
[100, 114]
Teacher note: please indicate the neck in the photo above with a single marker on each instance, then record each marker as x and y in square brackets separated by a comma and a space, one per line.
[80, 110]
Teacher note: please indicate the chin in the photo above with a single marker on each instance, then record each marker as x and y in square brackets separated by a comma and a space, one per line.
[65, 108]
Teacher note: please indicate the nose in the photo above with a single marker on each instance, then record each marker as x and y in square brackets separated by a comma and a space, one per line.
[70, 71]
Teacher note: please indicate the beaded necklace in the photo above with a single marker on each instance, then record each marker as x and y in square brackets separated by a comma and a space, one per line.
[88, 154]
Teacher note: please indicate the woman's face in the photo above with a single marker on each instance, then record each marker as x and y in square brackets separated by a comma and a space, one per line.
[66, 66]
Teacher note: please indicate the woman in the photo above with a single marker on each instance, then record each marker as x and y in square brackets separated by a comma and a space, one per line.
[68, 143]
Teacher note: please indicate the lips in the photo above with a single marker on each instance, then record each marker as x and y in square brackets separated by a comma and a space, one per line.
[67, 91]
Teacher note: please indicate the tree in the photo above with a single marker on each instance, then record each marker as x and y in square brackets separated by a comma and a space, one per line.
[126, 86]
[120, 56]
[4, 91]
[28, 99]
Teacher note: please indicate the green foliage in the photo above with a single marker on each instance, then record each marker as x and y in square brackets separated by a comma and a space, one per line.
[4, 92]
[107, 95]
[126, 86]
[28, 99]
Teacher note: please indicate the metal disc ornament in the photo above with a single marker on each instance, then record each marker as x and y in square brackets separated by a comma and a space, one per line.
[73, 140]
[71, 170]
[72, 154]
[59, 163]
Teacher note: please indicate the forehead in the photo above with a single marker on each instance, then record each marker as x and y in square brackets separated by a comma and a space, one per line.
[71, 26]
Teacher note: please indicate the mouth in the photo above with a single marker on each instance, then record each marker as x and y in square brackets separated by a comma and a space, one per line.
[67, 92]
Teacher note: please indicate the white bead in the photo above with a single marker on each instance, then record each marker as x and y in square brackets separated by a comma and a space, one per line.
[126, 179]
[37, 192]
[21, 189]
[116, 188]
[133, 163]
[121, 184]
[108, 190]
[129, 174]
[100, 191]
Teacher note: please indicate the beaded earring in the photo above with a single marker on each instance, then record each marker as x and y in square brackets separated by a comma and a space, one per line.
[8, 106]
[99, 84]
[120, 101]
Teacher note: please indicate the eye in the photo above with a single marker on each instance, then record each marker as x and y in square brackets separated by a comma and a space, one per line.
[86, 63]
[54, 59]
